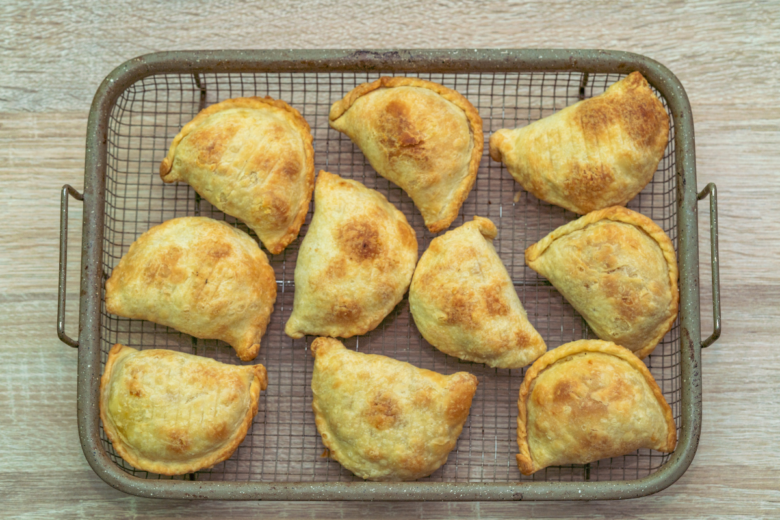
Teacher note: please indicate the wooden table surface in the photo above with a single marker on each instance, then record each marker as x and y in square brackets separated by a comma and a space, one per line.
[54, 54]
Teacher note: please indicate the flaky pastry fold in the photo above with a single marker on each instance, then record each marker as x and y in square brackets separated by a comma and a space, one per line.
[424, 137]
[384, 419]
[596, 153]
[173, 413]
[588, 400]
[253, 159]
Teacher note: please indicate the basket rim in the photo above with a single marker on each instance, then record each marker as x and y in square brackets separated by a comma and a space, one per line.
[392, 61]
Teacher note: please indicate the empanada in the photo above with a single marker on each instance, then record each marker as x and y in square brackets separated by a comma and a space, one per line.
[384, 419]
[253, 159]
[464, 303]
[173, 413]
[588, 400]
[420, 135]
[355, 262]
[200, 276]
[597, 153]
[617, 268]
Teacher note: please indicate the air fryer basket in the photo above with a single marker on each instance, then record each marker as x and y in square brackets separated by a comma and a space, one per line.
[144, 103]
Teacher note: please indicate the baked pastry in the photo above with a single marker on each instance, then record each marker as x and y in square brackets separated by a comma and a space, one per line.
[384, 419]
[589, 400]
[199, 276]
[355, 262]
[420, 135]
[173, 413]
[597, 153]
[253, 159]
[465, 304]
[617, 268]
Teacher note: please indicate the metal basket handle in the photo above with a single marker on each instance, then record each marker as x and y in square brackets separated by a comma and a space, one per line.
[713, 193]
[66, 191]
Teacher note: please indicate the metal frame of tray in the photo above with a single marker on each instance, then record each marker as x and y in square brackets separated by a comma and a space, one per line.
[232, 68]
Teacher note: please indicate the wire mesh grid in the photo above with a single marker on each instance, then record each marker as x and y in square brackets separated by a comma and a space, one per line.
[283, 443]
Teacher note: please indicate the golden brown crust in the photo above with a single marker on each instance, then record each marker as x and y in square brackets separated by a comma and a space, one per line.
[568, 275]
[596, 153]
[427, 182]
[354, 264]
[272, 199]
[453, 96]
[383, 419]
[200, 276]
[166, 443]
[525, 459]
[464, 303]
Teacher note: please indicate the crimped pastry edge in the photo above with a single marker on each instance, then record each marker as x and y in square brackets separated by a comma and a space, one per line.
[460, 195]
[117, 352]
[243, 351]
[525, 461]
[256, 102]
[626, 216]
[323, 427]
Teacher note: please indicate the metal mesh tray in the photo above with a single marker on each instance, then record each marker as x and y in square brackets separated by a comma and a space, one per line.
[144, 103]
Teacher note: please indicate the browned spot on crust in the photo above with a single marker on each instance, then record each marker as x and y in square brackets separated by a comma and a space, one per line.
[460, 309]
[641, 114]
[594, 118]
[634, 80]
[346, 311]
[374, 454]
[360, 240]
[423, 398]
[398, 133]
[416, 460]
[218, 432]
[625, 300]
[458, 410]
[522, 339]
[220, 250]
[385, 291]
[164, 266]
[290, 168]
[597, 442]
[134, 384]
[277, 158]
[178, 440]
[562, 393]
[336, 269]
[203, 374]
[576, 395]
[461, 391]
[276, 132]
[135, 389]
[212, 140]
[538, 397]
[619, 391]
[234, 394]
[636, 110]
[403, 130]
[277, 208]
[406, 235]
[587, 180]
[382, 411]
[494, 301]
[590, 406]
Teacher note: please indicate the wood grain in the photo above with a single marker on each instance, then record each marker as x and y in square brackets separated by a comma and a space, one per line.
[55, 54]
